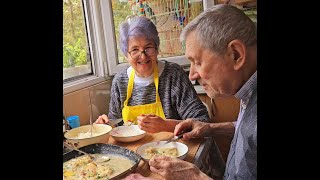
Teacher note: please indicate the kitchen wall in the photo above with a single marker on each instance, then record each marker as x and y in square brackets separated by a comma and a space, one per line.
[93, 100]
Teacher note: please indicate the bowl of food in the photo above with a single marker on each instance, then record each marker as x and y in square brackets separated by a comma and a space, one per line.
[172, 149]
[81, 136]
[127, 133]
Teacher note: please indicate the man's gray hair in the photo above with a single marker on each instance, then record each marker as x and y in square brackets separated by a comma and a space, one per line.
[220, 24]
[137, 26]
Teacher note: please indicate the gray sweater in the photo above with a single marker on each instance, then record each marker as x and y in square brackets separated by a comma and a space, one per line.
[178, 97]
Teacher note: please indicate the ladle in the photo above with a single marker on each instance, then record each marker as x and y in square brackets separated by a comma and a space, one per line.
[76, 149]
[94, 160]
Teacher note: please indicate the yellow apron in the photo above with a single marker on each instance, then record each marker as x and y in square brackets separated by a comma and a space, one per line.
[131, 112]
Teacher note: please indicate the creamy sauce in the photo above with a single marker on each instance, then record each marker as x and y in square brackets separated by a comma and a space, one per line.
[104, 166]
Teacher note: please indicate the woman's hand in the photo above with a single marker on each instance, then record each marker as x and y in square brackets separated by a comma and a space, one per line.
[174, 168]
[151, 123]
[103, 119]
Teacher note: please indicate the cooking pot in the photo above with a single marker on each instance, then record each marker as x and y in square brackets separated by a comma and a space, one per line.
[101, 134]
[108, 149]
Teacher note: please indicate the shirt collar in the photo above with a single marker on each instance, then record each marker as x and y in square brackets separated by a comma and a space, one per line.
[247, 89]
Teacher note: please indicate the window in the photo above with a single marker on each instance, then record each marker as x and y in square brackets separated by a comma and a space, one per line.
[169, 16]
[249, 7]
[90, 35]
[76, 52]
[84, 52]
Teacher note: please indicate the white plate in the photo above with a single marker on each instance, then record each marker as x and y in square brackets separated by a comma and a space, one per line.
[182, 148]
[127, 133]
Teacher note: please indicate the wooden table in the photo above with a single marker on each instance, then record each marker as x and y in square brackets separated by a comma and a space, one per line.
[143, 167]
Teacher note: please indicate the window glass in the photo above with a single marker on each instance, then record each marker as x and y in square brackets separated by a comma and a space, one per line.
[169, 16]
[249, 7]
[76, 52]
[91, 51]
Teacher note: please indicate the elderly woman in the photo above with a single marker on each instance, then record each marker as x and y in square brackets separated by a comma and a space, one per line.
[154, 94]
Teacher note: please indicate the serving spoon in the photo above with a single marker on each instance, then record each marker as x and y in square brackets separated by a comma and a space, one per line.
[94, 160]
[76, 149]
[91, 125]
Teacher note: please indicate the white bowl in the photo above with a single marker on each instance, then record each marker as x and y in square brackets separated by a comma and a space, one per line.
[182, 148]
[127, 133]
[81, 136]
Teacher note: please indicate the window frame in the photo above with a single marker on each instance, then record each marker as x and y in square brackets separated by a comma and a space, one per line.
[114, 65]
[97, 48]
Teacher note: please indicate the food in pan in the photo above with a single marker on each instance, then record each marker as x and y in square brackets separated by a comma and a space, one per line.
[100, 167]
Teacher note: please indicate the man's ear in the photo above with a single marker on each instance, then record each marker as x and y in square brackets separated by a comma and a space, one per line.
[238, 53]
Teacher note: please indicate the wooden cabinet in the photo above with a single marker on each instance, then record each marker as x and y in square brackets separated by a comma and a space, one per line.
[223, 110]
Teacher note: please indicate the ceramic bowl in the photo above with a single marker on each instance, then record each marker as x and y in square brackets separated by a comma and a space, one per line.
[81, 136]
[127, 133]
[182, 148]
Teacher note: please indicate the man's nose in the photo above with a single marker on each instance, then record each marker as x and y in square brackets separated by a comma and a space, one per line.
[193, 75]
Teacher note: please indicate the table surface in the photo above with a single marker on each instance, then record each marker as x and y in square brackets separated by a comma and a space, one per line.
[143, 167]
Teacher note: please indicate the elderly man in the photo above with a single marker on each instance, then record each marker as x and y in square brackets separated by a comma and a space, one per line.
[221, 46]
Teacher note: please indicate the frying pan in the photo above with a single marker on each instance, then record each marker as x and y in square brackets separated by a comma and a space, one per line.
[100, 148]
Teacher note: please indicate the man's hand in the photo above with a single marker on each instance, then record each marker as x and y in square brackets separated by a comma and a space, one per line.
[137, 176]
[192, 129]
[174, 168]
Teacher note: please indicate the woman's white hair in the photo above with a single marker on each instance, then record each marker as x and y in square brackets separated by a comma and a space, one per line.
[135, 26]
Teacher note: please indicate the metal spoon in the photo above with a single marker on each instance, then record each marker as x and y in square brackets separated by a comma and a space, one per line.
[175, 138]
[129, 123]
[113, 122]
[90, 113]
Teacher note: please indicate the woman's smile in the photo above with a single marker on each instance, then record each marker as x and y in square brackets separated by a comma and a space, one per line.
[144, 62]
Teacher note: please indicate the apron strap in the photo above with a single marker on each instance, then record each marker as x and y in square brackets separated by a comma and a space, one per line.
[130, 87]
[156, 82]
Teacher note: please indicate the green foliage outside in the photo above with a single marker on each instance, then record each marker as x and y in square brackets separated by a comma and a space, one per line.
[120, 11]
[74, 35]
[74, 55]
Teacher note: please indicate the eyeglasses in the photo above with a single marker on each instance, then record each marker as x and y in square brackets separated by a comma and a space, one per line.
[136, 53]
